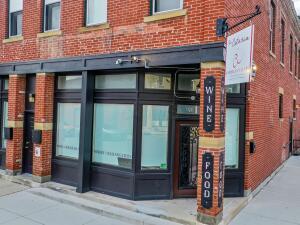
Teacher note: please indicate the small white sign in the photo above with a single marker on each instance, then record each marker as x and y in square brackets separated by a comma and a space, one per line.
[239, 56]
[37, 151]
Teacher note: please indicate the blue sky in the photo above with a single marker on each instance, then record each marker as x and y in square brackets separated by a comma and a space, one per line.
[297, 5]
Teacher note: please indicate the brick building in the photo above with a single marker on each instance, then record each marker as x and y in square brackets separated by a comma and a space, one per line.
[104, 96]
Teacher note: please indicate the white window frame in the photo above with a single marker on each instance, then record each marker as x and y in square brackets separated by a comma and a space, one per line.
[87, 15]
[10, 16]
[49, 2]
[153, 8]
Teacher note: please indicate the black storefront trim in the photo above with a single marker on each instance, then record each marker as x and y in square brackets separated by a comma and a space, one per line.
[185, 55]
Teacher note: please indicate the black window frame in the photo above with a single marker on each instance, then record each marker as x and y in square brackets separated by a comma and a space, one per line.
[13, 22]
[86, 15]
[280, 106]
[273, 12]
[153, 10]
[3, 98]
[47, 24]
[294, 109]
[291, 53]
[282, 42]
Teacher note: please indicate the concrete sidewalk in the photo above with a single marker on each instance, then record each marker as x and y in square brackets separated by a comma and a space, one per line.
[278, 203]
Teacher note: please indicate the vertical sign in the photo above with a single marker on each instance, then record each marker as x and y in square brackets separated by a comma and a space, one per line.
[207, 180]
[239, 56]
[209, 103]
[221, 179]
[223, 108]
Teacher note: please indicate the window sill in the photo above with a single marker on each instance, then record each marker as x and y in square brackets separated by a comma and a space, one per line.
[282, 64]
[13, 39]
[101, 26]
[272, 54]
[281, 120]
[291, 73]
[49, 34]
[165, 15]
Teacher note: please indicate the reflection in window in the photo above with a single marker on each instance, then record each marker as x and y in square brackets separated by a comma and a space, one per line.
[68, 129]
[188, 109]
[52, 15]
[96, 12]
[233, 89]
[69, 82]
[158, 81]
[113, 134]
[5, 122]
[116, 81]
[155, 137]
[188, 82]
[232, 138]
[167, 5]
[6, 84]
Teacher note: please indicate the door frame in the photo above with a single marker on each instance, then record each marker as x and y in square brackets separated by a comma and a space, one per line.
[26, 113]
[235, 177]
[177, 193]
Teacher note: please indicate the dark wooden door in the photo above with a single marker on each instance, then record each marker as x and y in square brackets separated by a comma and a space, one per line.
[186, 159]
[291, 138]
[28, 144]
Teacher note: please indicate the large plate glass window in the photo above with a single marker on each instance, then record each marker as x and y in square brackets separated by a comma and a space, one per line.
[52, 15]
[166, 5]
[233, 89]
[96, 12]
[113, 134]
[4, 122]
[68, 129]
[158, 81]
[232, 138]
[188, 82]
[115, 81]
[155, 132]
[15, 17]
[69, 82]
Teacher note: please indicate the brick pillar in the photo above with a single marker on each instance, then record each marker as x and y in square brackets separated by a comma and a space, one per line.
[16, 107]
[43, 121]
[212, 144]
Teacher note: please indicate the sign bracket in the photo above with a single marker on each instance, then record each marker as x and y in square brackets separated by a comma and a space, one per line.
[223, 26]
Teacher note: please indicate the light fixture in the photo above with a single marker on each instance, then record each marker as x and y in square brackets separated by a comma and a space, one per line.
[254, 69]
[134, 59]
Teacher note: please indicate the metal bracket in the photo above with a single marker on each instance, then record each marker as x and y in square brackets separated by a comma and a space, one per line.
[223, 27]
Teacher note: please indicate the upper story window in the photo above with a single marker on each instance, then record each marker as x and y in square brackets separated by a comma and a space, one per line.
[96, 12]
[291, 53]
[296, 59]
[272, 26]
[52, 15]
[166, 5]
[282, 49]
[15, 17]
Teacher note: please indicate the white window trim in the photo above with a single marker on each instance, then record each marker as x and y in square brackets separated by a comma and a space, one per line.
[171, 10]
[87, 15]
[45, 6]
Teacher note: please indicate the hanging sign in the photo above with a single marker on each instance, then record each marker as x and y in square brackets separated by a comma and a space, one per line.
[207, 180]
[239, 56]
[209, 103]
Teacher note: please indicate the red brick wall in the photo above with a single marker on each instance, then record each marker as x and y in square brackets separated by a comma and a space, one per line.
[127, 30]
[270, 134]
[16, 107]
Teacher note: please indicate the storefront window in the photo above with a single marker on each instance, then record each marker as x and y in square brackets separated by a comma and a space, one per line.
[188, 109]
[113, 134]
[158, 81]
[188, 82]
[6, 84]
[122, 81]
[68, 129]
[5, 122]
[69, 82]
[233, 89]
[232, 138]
[155, 137]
